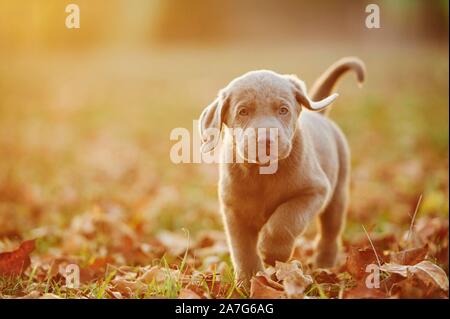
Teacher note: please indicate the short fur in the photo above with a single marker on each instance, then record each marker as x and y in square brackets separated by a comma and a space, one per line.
[263, 214]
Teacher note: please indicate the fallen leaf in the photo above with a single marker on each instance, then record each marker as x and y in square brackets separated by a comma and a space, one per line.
[426, 271]
[294, 280]
[414, 288]
[358, 259]
[268, 281]
[409, 256]
[325, 276]
[128, 287]
[284, 270]
[361, 291]
[430, 229]
[14, 263]
[114, 294]
[262, 287]
[188, 294]
[430, 273]
[295, 286]
[155, 273]
[392, 268]
[95, 270]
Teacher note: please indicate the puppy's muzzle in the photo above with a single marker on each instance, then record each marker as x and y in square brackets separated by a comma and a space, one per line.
[265, 143]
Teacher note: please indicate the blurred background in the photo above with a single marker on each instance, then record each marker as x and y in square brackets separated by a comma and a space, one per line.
[85, 114]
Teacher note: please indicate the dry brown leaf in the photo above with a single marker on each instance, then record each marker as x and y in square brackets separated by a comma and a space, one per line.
[262, 287]
[358, 259]
[409, 288]
[414, 288]
[409, 256]
[128, 287]
[155, 273]
[95, 270]
[325, 276]
[362, 292]
[426, 271]
[295, 285]
[268, 281]
[15, 262]
[294, 280]
[114, 294]
[392, 268]
[284, 270]
[186, 293]
[428, 229]
[430, 274]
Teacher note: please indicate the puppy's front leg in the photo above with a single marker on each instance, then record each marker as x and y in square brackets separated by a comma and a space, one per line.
[287, 222]
[243, 239]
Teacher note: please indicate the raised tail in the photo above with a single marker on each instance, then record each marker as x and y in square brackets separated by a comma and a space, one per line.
[326, 82]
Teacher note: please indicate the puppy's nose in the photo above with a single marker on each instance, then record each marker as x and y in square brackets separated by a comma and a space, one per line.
[265, 141]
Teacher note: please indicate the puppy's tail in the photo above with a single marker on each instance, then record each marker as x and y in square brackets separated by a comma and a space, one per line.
[326, 82]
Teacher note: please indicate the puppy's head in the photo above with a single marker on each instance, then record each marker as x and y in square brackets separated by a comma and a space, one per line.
[262, 107]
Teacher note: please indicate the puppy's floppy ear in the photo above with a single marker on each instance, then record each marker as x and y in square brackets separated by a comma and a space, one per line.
[302, 97]
[210, 122]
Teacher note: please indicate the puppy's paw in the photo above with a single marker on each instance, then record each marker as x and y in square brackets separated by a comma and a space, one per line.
[243, 277]
[326, 254]
[275, 248]
[243, 282]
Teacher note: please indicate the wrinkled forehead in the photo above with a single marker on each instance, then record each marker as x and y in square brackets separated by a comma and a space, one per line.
[259, 87]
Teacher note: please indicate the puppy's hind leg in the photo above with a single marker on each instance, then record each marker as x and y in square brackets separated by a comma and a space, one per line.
[331, 224]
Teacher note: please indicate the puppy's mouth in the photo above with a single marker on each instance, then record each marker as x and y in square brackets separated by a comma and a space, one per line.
[264, 156]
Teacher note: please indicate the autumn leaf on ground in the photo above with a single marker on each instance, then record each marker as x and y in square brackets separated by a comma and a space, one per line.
[15, 262]
[294, 280]
[361, 291]
[128, 287]
[358, 259]
[410, 256]
[426, 271]
[263, 287]
[154, 274]
[414, 288]
[325, 276]
[188, 294]
[114, 294]
[430, 230]
[431, 273]
[95, 270]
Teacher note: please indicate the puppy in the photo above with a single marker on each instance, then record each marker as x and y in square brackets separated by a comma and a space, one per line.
[264, 213]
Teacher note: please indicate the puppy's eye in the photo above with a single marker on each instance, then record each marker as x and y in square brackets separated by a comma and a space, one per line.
[243, 112]
[283, 110]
